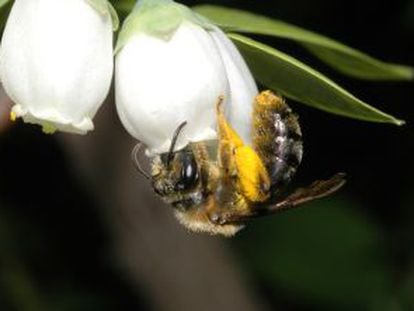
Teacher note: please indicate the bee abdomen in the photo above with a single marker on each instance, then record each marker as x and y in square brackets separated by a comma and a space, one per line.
[277, 138]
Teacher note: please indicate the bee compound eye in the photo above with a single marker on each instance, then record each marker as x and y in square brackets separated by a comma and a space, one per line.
[189, 173]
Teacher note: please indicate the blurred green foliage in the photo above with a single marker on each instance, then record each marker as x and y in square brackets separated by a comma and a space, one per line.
[347, 60]
[327, 253]
[56, 252]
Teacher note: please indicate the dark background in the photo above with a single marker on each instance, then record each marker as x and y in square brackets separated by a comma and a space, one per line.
[79, 230]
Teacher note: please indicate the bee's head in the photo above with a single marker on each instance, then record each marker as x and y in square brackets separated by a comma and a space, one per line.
[174, 174]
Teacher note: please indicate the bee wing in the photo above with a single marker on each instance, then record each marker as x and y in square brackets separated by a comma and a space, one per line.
[318, 189]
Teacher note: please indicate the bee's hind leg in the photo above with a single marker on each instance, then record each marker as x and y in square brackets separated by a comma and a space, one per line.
[241, 167]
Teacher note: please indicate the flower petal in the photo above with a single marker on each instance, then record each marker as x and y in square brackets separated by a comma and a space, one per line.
[243, 88]
[161, 83]
[56, 61]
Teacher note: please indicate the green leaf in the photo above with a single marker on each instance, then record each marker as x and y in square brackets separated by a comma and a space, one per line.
[3, 3]
[5, 7]
[341, 57]
[298, 81]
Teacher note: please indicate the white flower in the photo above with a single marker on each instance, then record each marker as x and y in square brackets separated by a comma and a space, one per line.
[56, 61]
[172, 66]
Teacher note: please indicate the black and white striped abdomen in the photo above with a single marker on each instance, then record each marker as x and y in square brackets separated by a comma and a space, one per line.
[277, 138]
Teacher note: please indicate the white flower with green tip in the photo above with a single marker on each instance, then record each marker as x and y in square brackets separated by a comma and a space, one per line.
[172, 66]
[56, 61]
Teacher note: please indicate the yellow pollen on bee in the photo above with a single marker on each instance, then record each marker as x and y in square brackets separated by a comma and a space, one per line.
[253, 178]
[48, 128]
[252, 174]
[13, 116]
[268, 98]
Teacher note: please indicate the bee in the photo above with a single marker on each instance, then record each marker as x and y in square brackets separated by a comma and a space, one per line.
[217, 188]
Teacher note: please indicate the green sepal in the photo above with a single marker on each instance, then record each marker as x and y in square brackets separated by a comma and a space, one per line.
[104, 7]
[345, 59]
[300, 82]
[159, 18]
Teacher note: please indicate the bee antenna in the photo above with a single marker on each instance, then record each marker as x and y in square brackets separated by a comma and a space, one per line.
[135, 160]
[174, 141]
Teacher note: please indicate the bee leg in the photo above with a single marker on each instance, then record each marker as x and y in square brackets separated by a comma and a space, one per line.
[277, 139]
[241, 167]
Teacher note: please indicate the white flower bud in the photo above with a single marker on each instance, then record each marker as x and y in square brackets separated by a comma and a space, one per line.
[170, 72]
[56, 61]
